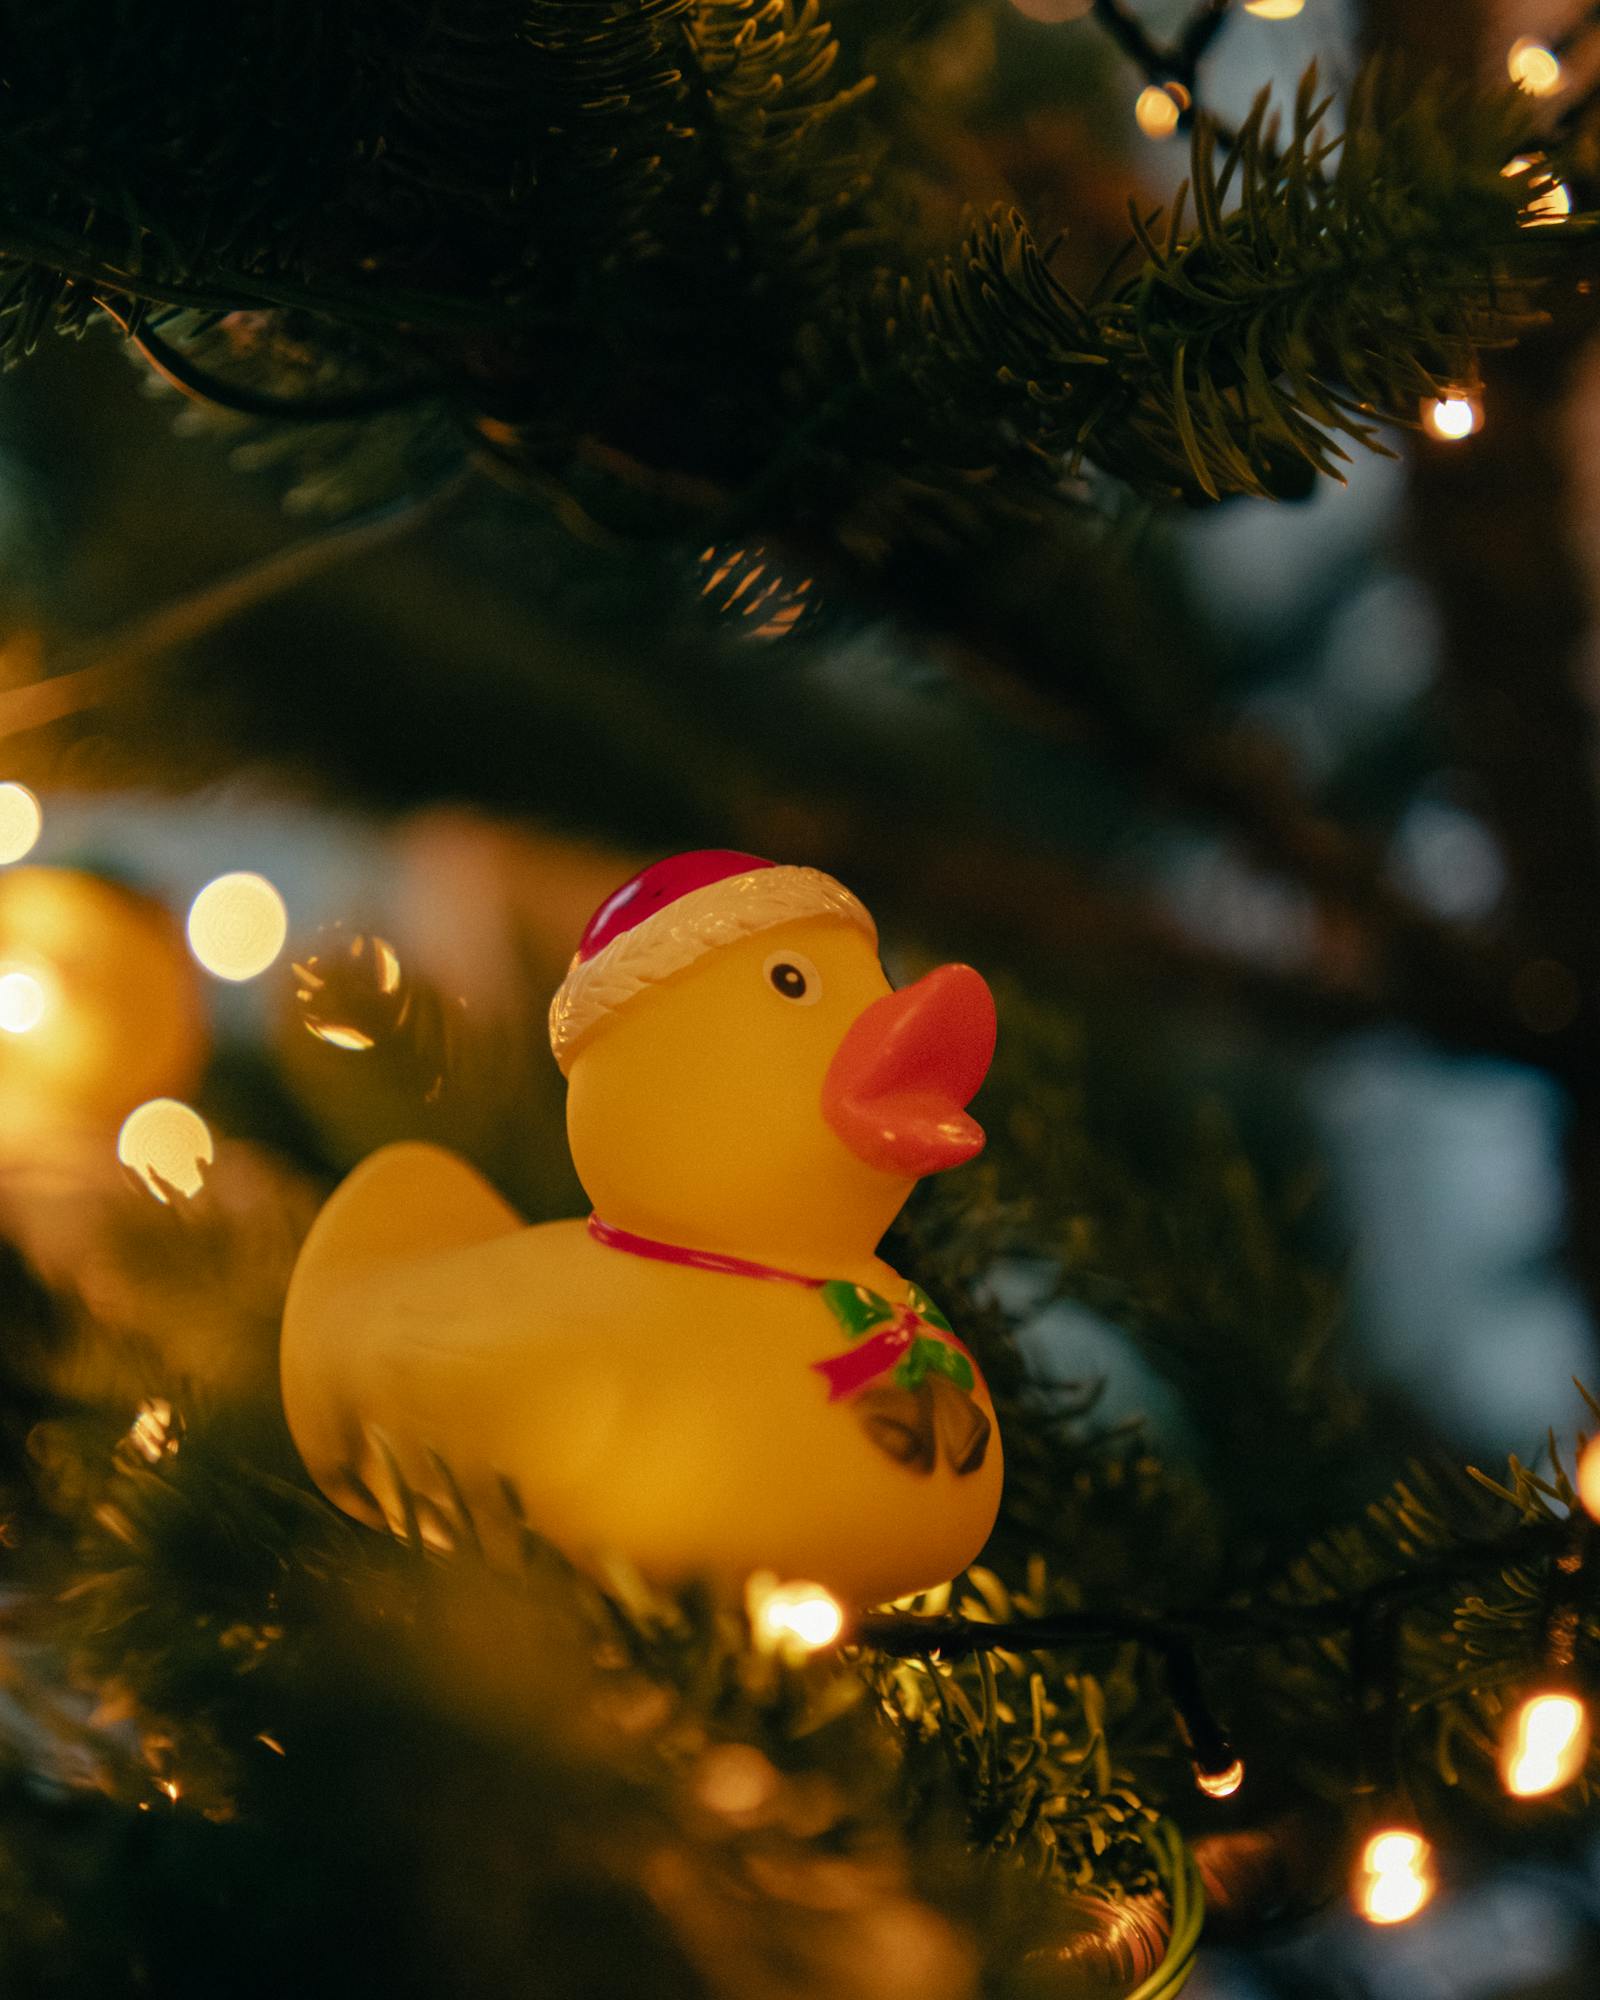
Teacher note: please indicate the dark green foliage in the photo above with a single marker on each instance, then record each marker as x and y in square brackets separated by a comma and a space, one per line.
[653, 258]
[267, 1725]
[662, 265]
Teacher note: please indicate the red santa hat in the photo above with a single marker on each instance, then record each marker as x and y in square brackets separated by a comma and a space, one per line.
[674, 912]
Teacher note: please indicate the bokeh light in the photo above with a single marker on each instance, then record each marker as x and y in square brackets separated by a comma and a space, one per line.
[168, 1145]
[1589, 1478]
[1451, 418]
[349, 993]
[1545, 1745]
[1221, 1784]
[1549, 199]
[1158, 107]
[237, 926]
[21, 821]
[1533, 67]
[24, 1001]
[794, 1617]
[1274, 10]
[1394, 1879]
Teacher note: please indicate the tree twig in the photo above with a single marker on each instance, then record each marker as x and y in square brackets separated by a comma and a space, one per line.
[96, 670]
[910, 1637]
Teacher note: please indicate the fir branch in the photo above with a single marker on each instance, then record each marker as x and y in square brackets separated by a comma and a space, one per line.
[99, 670]
[1232, 1624]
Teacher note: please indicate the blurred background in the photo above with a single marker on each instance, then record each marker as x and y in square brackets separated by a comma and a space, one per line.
[419, 709]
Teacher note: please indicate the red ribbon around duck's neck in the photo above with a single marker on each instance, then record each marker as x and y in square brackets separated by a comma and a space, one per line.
[843, 1373]
[696, 1260]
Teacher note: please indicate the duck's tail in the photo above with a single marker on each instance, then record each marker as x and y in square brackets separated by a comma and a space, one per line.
[403, 1201]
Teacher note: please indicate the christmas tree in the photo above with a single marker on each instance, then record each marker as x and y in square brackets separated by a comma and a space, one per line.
[1105, 482]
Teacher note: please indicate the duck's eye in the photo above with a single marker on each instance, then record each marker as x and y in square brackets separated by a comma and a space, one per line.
[792, 976]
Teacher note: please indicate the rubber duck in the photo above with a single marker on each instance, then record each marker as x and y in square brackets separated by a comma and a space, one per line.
[713, 1374]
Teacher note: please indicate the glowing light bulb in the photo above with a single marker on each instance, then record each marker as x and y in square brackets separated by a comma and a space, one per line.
[237, 926]
[1589, 1477]
[1554, 205]
[150, 1433]
[1533, 67]
[1545, 1745]
[21, 821]
[1451, 418]
[1273, 10]
[1158, 107]
[1394, 1877]
[167, 1145]
[1221, 1784]
[1553, 200]
[24, 1002]
[794, 1618]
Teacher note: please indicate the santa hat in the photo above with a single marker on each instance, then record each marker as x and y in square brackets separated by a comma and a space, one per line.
[674, 912]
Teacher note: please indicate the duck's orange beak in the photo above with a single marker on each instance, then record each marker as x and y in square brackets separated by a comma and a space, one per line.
[897, 1089]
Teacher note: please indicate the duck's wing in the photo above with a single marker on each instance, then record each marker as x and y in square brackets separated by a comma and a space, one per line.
[403, 1202]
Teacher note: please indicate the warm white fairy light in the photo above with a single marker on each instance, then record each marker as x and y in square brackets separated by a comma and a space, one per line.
[168, 1145]
[1589, 1478]
[1545, 1745]
[1552, 199]
[1451, 418]
[21, 821]
[793, 1617]
[1274, 10]
[1533, 67]
[1158, 108]
[1553, 205]
[1221, 1784]
[150, 1433]
[24, 1001]
[237, 926]
[1394, 1878]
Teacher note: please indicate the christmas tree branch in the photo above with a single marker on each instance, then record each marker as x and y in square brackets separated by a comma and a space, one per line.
[1005, 628]
[94, 671]
[1179, 61]
[1242, 1624]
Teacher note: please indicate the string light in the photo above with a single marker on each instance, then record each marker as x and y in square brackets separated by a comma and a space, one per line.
[1158, 109]
[237, 926]
[1549, 199]
[24, 1001]
[1553, 205]
[1274, 10]
[1533, 67]
[1394, 1877]
[21, 821]
[1218, 1770]
[167, 1145]
[151, 1432]
[793, 1618]
[1451, 418]
[1221, 1784]
[1589, 1478]
[1545, 1746]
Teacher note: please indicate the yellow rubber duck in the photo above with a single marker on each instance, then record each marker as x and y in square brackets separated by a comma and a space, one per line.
[714, 1374]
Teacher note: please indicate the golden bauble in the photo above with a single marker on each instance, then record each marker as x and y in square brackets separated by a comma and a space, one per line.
[100, 1002]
